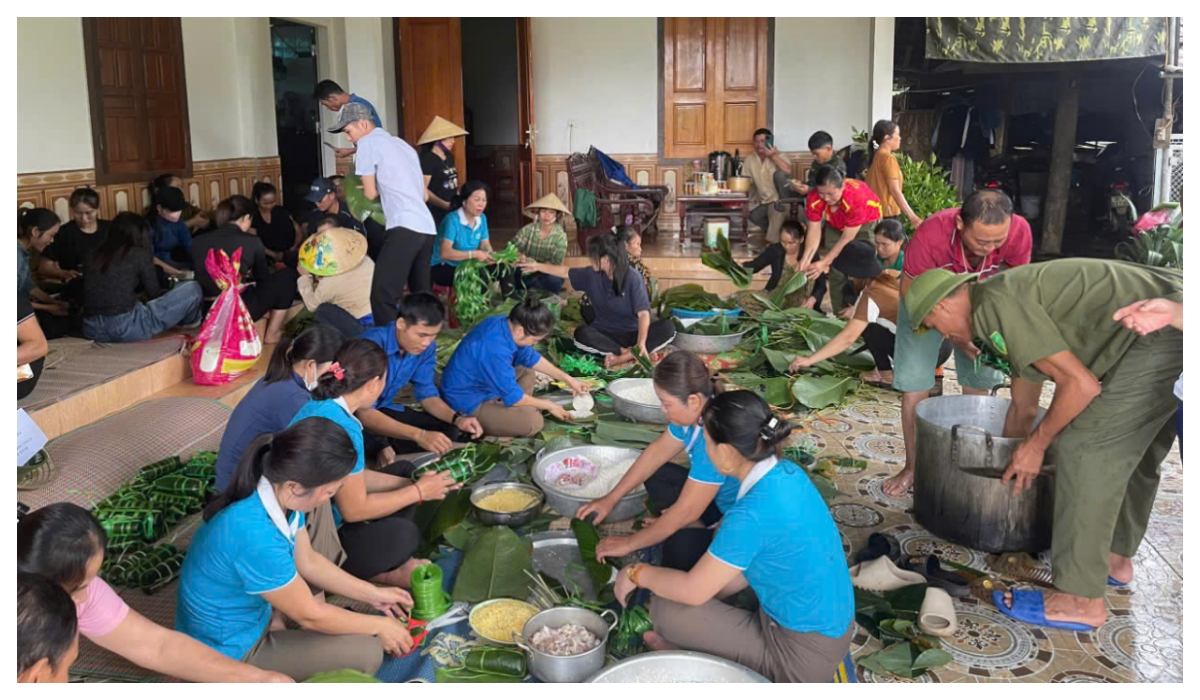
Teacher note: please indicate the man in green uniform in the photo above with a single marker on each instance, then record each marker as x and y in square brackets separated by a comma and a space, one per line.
[1110, 420]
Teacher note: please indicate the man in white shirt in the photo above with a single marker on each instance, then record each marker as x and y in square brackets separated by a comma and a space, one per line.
[390, 169]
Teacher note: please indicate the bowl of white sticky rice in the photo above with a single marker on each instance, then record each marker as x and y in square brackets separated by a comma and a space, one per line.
[636, 400]
[575, 476]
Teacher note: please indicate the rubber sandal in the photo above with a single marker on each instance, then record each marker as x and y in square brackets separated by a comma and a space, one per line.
[1030, 607]
[937, 616]
[1113, 582]
[882, 575]
[879, 385]
[879, 545]
[956, 584]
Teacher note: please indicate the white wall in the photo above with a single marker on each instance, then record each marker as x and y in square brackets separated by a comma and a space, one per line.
[366, 58]
[822, 78]
[53, 118]
[490, 79]
[602, 74]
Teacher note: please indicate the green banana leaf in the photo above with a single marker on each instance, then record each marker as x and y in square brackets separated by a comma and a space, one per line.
[626, 432]
[346, 675]
[435, 518]
[776, 391]
[360, 206]
[821, 392]
[794, 284]
[494, 567]
[466, 675]
[588, 537]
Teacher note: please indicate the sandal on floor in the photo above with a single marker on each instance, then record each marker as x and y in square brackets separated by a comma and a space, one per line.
[882, 575]
[1029, 606]
[879, 545]
[937, 615]
[1113, 582]
[954, 583]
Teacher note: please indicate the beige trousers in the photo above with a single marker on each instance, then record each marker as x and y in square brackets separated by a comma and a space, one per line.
[300, 654]
[511, 421]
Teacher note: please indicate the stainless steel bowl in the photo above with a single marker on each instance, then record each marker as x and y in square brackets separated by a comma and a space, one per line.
[567, 669]
[514, 519]
[640, 412]
[471, 619]
[566, 504]
[676, 667]
[707, 344]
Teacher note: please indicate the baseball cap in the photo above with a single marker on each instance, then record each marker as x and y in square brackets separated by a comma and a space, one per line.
[352, 112]
[319, 188]
[170, 198]
[928, 289]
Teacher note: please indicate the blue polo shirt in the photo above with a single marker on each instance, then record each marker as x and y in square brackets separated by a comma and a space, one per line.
[169, 236]
[232, 561]
[336, 411]
[374, 114]
[464, 236]
[703, 470]
[267, 408]
[403, 368]
[780, 535]
[481, 368]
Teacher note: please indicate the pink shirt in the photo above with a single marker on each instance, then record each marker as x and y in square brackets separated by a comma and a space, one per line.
[102, 612]
[937, 242]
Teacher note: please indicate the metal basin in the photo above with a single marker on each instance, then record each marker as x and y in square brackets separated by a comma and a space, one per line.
[638, 412]
[677, 667]
[513, 519]
[567, 669]
[707, 344]
[957, 492]
[566, 504]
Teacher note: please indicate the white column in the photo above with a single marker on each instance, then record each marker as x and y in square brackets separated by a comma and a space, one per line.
[368, 53]
[883, 44]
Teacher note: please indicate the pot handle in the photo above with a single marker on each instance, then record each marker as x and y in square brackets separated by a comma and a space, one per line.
[615, 619]
[519, 641]
[987, 460]
[996, 389]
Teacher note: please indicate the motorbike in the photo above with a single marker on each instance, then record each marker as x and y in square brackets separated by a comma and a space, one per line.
[1121, 213]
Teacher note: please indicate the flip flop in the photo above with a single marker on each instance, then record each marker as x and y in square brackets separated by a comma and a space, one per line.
[879, 545]
[1113, 582]
[954, 583]
[1030, 607]
[937, 616]
[882, 575]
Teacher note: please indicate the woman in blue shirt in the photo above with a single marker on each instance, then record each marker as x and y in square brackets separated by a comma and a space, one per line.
[252, 557]
[779, 540]
[691, 500]
[462, 235]
[172, 240]
[490, 376]
[373, 536]
[274, 400]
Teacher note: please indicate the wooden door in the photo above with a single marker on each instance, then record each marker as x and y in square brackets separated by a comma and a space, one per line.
[715, 84]
[526, 127]
[431, 83]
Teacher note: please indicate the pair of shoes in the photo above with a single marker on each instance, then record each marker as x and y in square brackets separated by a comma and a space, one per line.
[954, 583]
[879, 545]
[882, 575]
[937, 616]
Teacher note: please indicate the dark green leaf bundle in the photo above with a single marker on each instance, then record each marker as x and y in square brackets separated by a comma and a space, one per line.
[588, 537]
[722, 261]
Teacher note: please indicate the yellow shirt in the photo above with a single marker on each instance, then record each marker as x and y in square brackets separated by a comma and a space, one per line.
[761, 172]
[884, 167]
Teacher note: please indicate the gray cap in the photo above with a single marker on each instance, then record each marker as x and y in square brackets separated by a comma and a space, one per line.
[350, 113]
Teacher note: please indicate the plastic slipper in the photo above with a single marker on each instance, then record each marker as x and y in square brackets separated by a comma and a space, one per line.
[882, 575]
[937, 615]
[1030, 607]
[954, 583]
[879, 545]
[1113, 582]
[887, 386]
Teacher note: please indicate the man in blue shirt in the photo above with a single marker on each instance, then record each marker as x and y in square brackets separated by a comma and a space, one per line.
[410, 344]
[333, 97]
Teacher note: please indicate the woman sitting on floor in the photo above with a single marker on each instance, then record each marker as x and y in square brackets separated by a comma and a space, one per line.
[36, 229]
[193, 217]
[114, 274]
[632, 240]
[274, 400]
[779, 540]
[65, 543]
[374, 537]
[784, 260]
[171, 238]
[543, 240]
[618, 297]
[490, 376]
[273, 225]
[63, 259]
[462, 235]
[253, 556]
[334, 269]
[691, 500]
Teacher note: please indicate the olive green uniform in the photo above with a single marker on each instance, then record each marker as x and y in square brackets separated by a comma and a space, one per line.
[1107, 459]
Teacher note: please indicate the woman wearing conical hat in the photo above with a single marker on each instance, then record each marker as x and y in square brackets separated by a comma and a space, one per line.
[437, 164]
[543, 240]
[335, 270]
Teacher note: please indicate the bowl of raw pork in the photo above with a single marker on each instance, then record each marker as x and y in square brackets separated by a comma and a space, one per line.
[575, 476]
[566, 645]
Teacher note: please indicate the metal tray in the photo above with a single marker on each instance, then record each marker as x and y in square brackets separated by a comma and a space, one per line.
[553, 554]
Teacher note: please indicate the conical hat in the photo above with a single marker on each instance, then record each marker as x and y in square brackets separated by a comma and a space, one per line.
[333, 252]
[439, 129]
[550, 201]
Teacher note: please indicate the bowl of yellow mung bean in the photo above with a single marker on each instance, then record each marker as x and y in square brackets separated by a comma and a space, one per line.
[511, 504]
[497, 620]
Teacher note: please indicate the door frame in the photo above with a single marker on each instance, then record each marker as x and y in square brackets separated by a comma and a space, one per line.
[526, 123]
[410, 131]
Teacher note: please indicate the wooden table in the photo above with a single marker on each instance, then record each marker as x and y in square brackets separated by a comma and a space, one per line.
[716, 205]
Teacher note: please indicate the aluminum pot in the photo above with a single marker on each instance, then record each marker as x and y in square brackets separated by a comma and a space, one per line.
[567, 669]
[739, 183]
[957, 492]
[514, 519]
[566, 504]
[677, 667]
[637, 412]
[707, 344]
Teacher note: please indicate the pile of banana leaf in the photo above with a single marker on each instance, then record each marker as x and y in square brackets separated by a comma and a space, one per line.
[715, 325]
[722, 261]
[691, 297]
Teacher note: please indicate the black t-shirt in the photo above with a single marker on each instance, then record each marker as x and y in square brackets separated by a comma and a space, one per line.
[254, 266]
[443, 181]
[343, 215]
[280, 234]
[72, 245]
[25, 311]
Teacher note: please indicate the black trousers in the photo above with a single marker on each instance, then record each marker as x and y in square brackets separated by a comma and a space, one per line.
[774, 257]
[334, 315]
[26, 387]
[590, 340]
[683, 549]
[373, 443]
[881, 342]
[403, 260]
[374, 547]
[272, 293]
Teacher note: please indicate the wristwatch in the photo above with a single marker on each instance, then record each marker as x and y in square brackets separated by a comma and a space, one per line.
[454, 419]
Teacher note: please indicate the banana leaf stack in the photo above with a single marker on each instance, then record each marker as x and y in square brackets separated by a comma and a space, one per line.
[722, 261]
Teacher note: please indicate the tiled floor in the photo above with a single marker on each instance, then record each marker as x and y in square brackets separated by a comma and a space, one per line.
[1143, 638]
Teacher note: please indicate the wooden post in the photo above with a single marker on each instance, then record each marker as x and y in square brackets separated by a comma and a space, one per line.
[1062, 152]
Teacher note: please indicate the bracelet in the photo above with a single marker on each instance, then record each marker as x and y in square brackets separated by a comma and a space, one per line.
[420, 496]
[635, 572]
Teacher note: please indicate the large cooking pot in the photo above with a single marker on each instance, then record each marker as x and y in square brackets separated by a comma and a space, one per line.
[957, 492]
[567, 669]
[739, 183]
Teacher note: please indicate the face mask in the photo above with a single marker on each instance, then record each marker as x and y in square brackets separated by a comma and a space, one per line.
[313, 384]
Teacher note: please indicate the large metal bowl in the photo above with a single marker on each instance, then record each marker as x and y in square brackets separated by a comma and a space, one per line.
[676, 667]
[639, 412]
[471, 619]
[707, 344]
[513, 519]
[566, 504]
